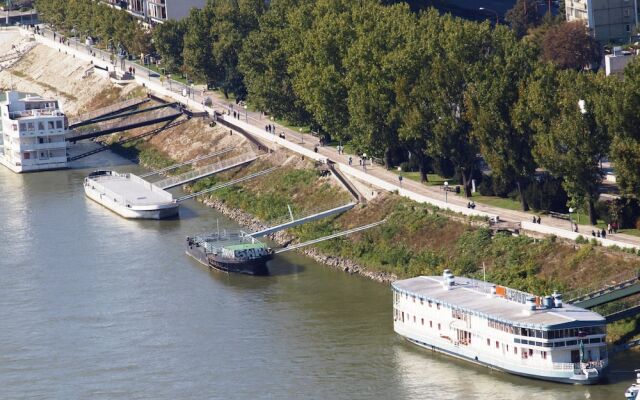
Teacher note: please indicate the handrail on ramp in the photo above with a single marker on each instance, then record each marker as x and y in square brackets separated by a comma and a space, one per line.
[333, 236]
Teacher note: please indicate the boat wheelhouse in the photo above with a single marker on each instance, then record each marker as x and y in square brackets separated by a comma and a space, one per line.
[502, 328]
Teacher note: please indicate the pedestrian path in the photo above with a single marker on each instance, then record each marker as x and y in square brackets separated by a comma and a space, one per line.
[309, 145]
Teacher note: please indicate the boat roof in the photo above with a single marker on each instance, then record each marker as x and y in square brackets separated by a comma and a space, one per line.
[245, 246]
[474, 296]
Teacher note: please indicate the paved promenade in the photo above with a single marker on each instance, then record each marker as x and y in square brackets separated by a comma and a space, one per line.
[375, 175]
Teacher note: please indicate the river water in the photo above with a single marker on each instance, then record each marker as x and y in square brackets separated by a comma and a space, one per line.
[96, 306]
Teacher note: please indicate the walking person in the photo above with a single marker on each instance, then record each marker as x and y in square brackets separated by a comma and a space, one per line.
[609, 228]
[350, 160]
[604, 234]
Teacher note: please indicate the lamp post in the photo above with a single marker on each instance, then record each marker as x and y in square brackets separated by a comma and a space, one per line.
[446, 190]
[492, 11]
[301, 135]
[246, 114]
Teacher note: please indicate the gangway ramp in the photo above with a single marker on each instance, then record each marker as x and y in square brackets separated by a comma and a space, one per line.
[226, 184]
[333, 236]
[303, 220]
[134, 122]
[208, 170]
[608, 293]
[169, 125]
[622, 314]
[90, 117]
[184, 163]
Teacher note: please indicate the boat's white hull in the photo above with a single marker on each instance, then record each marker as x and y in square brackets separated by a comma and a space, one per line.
[470, 354]
[159, 211]
[18, 169]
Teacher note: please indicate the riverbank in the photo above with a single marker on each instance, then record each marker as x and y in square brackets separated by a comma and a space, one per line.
[417, 239]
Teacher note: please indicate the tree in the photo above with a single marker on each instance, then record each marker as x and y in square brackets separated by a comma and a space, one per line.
[571, 137]
[571, 46]
[318, 69]
[492, 101]
[231, 22]
[264, 62]
[169, 42]
[458, 49]
[624, 122]
[197, 58]
[374, 62]
[523, 16]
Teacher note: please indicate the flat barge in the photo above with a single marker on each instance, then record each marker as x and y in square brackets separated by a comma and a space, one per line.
[502, 328]
[230, 252]
[130, 196]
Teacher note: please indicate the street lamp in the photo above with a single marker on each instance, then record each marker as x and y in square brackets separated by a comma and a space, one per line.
[446, 190]
[246, 114]
[493, 11]
[301, 135]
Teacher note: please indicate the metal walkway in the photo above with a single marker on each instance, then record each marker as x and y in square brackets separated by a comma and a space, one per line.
[208, 170]
[226, 184]
[333, 236]
[303, 220]
[153, 132]
[622, 314]
[184, 163]
[120, 126]
[90, 117]
[609, 293]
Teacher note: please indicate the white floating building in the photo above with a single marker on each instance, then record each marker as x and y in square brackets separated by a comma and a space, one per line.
[501, 328]
[32, 133]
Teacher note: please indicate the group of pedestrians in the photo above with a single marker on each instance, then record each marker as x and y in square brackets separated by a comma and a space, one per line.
[270, 128]
[537, 220]
[599, 233]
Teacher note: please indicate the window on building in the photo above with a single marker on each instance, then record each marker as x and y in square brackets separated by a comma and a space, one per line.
[430, 324]
[628, 27]
[488, 342]
[544, 355]
[497, 344]
[30, 126]
[515, 350]
[422, 321]
[414, 318]
[23, 126]
[438, 326]
[438, 306]
[531, 352]
[50, 124]
[41, 126]
[59, 124]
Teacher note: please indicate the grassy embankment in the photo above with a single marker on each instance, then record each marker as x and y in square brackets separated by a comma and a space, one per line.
[420, 240]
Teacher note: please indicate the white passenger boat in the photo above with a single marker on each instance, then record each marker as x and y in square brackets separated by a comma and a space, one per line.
[633, 392]
[129, 195]
[502, 328]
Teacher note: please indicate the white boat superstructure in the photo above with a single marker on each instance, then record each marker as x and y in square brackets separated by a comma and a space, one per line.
[33, 133]
[633, 392]
[502, 328]
[129, 195]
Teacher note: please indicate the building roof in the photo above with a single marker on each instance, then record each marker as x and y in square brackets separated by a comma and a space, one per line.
[474, 296]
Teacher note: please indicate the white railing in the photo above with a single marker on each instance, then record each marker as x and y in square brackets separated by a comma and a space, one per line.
[41, 146]
[35, 113]
[206, 170]
[580, 366]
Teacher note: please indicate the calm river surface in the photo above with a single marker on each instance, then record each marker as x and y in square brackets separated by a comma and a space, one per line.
[93, 306]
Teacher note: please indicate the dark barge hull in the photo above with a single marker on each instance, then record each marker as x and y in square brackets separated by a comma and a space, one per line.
[257, 266]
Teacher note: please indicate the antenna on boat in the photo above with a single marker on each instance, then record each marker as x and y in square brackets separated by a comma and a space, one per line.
[218, 227]
[484, 272]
